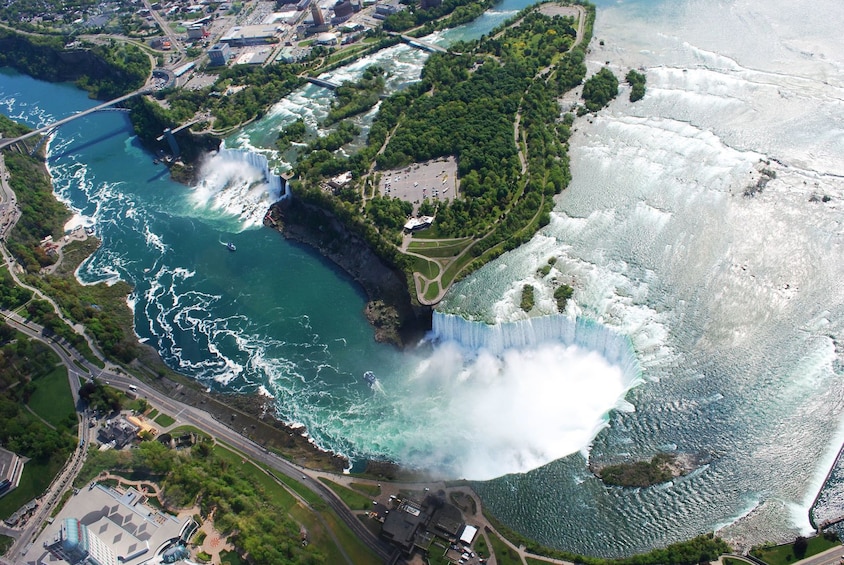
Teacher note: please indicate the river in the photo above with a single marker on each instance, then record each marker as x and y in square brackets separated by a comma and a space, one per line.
[709, 319]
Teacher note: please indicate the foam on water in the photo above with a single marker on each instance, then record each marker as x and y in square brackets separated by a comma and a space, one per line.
[238, 183]
[727, 294]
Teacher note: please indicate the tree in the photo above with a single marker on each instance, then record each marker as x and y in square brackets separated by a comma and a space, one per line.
[599, 89]
[801, 544]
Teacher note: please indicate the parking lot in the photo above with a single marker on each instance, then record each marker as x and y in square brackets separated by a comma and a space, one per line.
[435, 180]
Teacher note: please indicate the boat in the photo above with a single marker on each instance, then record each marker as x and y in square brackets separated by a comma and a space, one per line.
[231, 246]
[369, 377]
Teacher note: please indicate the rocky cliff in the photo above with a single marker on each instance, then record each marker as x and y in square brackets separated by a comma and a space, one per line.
[389, 308]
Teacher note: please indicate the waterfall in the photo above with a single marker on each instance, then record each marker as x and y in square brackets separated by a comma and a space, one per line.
[277, 185]
[587, 334]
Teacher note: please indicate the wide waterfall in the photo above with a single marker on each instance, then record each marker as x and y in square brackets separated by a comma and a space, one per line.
[581, 332]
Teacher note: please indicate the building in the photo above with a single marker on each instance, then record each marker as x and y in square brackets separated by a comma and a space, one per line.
[316, 13]
[198, 31]
[326, 38]
[414, 224]
[384, 10]
[220, 54]
[239, 36]
[11, 467]
[428, 4]
[75, 543]
[402, 524]
[343, 10]
[102, 526]
[118, 432]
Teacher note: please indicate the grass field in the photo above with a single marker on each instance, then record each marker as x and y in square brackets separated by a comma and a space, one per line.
[503, 554]
[784, 554]
[367, 489]
[5, 543]
[36, 478]
[427, 269]
[164, 420]
[52, 399]
[352, 499]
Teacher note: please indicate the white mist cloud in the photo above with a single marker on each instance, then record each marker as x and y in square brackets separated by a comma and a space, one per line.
[495, 414]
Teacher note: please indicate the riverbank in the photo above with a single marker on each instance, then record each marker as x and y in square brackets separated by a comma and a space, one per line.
[389, 308]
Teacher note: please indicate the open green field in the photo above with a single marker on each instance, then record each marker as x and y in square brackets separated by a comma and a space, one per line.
[784, 554]
[427, 269]
[352, 499]
[186, 430]
[367, 489]
[503, 554]
[446, 248]
[433, 291]
[52, 399]
[164, 420]
[36, 478]
[358, 552]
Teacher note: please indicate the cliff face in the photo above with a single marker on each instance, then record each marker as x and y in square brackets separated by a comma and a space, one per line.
[389, 309]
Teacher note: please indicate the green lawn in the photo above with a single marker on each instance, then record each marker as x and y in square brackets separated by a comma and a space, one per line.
[433, 291]
[503, 554]
[164, 420]
[358, 551]
[152, 414]
[784, 554]
[52, 399]
[5, 543]
[186, 430]
[368, 489]
[36, 478]
[352, 499]
[427, 269]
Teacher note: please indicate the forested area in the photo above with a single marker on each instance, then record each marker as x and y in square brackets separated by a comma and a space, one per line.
[354, 98]
[22, 361]
[106, 71]
[466, 105]
[599, 89]
[258, 524]
[101, 308]
[42, 214]
[461, 11]
[261, 88]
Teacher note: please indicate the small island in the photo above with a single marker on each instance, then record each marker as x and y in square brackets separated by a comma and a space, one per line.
[662, 468]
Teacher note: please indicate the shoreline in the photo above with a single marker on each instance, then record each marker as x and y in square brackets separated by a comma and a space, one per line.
[389, 310]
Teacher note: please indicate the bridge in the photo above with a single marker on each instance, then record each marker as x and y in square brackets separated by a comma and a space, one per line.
[8, 142]
[424, 45]
[323, 83]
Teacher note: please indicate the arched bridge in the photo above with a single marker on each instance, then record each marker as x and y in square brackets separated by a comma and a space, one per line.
[7, 142]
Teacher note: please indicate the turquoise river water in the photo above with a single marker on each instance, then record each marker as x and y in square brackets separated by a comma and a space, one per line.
[704, 321]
